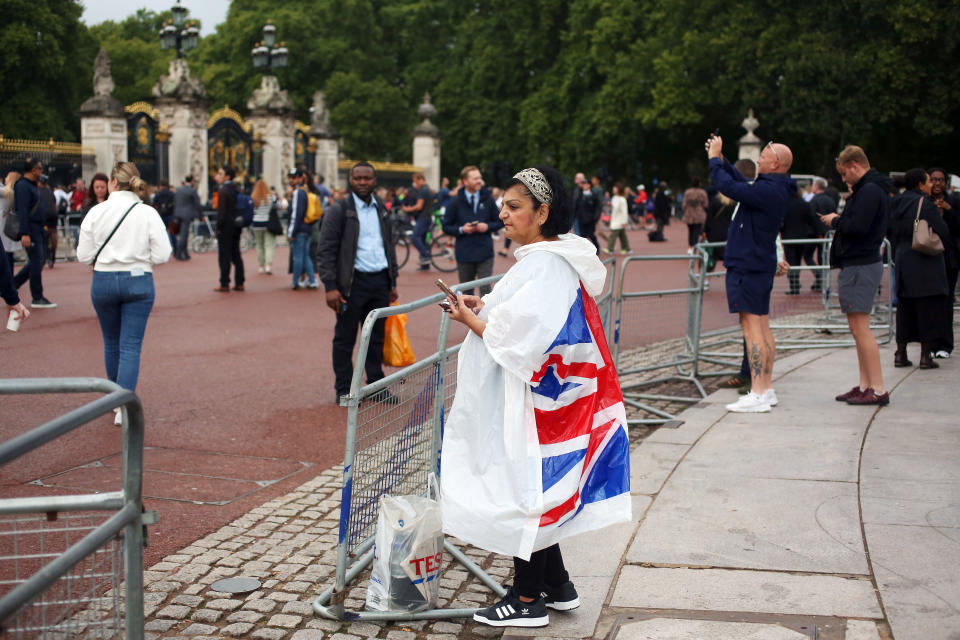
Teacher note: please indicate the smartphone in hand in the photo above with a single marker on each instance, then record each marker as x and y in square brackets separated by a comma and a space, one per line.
[447, 290]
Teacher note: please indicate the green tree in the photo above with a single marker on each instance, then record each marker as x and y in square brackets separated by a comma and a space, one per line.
[46, 66]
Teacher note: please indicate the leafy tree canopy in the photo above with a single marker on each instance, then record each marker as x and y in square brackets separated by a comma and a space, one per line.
[626, 88]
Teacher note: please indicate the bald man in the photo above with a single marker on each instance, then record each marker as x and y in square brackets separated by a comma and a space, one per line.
[751, 257]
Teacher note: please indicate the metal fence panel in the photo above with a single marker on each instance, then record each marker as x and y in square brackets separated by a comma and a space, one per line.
[394, 434]
[658, 304]
[804, 308]
[60, 570]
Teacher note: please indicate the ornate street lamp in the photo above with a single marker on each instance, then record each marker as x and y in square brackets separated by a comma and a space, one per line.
[267, 54]
[177, 34]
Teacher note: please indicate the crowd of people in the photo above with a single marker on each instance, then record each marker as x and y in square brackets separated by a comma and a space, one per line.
[470, 213]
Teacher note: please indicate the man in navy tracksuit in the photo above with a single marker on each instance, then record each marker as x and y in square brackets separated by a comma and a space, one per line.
[472, 216]
[751, 257]
[26, 205]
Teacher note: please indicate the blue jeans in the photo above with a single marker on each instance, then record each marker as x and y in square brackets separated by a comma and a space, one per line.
[301, 258]
[419, 237]
[123, 303]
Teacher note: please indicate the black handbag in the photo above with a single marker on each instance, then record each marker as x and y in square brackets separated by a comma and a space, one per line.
[273, 222]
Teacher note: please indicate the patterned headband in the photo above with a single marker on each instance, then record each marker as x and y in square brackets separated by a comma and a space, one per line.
[537, 184]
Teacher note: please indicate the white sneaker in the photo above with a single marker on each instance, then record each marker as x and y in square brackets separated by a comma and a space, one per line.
[941, 354]
[770, 396]
[750, 403]
[118, 417]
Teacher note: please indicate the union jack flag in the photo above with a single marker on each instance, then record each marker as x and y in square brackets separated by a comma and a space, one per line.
[582, 428]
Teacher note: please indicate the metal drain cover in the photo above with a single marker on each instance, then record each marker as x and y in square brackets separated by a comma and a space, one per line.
[236, 585]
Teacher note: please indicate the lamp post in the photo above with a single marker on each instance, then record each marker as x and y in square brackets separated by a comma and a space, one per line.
[267, 54]
[177, 34]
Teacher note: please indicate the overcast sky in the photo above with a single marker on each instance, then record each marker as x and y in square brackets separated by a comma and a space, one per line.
[209, 12]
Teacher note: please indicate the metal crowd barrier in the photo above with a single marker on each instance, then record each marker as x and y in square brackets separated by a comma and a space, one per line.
[647, 316]
[394, 435]
[75, 564]
[804, 313]
[605, 301]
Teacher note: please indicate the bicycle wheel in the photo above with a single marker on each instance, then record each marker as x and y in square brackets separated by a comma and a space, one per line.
[441, 254]
[403, 251]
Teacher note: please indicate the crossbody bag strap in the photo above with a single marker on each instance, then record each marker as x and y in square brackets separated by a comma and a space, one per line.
[117, 226]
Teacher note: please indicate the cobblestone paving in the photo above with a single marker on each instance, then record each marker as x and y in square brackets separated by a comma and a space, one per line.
[289, 544]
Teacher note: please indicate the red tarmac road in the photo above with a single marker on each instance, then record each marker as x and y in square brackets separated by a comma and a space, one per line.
[237, 388]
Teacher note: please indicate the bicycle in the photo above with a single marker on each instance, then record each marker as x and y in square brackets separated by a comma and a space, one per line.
[439, 244]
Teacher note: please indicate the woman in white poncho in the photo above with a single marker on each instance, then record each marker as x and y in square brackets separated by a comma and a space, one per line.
[535, 448]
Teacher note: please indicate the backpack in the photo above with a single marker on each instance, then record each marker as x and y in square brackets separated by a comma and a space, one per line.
[244, 210]
[314, 208]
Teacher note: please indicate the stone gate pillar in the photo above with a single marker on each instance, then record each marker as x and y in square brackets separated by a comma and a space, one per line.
[183, 107]
[271, 113]
[103, 122]
[750, 143]
[426, 144]
[327, 153]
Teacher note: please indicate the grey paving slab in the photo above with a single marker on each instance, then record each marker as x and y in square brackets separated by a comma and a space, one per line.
[768, 449]
[674, 629]
[862, 630]
[696, 420]
[749, 591]
[753, 523]
[599, 553]
[651, 463]
[579, 623]
[916, 571]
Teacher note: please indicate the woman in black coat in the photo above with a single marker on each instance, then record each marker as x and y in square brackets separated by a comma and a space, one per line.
[924, 310]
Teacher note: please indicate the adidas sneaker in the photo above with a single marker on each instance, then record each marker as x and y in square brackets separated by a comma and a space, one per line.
[511, 612]
[562, 598]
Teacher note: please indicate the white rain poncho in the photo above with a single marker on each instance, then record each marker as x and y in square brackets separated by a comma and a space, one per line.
[535, 448]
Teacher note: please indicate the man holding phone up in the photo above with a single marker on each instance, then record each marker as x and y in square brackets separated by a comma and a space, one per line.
[751, 257]
[472, 217]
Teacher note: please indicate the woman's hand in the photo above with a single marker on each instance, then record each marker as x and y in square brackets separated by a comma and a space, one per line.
[464, 309]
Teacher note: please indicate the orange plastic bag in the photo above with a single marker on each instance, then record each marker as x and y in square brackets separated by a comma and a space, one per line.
[397, 351]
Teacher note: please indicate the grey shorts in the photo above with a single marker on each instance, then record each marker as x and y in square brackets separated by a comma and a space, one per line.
[858, 285]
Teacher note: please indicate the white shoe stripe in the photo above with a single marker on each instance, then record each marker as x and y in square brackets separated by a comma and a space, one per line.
[510, 609]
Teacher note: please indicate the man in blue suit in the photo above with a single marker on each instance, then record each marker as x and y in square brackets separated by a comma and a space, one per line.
[472, 216]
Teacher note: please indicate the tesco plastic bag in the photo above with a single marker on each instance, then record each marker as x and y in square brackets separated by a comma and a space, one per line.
[407, 553]
[397, 350]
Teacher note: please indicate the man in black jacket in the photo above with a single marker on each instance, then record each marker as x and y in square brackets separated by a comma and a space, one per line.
[587, 208]
[358, 268]
[228, 233]
[471, 217]
[26, 204]
[856, 251]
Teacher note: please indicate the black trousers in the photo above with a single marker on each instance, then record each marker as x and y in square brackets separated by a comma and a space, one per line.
[369, 291]
[946, 343]
[588, 230]
[693, 233]
[35, 258]
[794, 254]
[544, 569]
[228, 250]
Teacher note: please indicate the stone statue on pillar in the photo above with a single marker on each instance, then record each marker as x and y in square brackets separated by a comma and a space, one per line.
[183, 106]
[327, 154]
[103, 124]
[426, 144]
[271, 112]
[750, 143]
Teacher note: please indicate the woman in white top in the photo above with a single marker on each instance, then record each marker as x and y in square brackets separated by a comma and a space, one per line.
[123, 238]
[618, 220]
